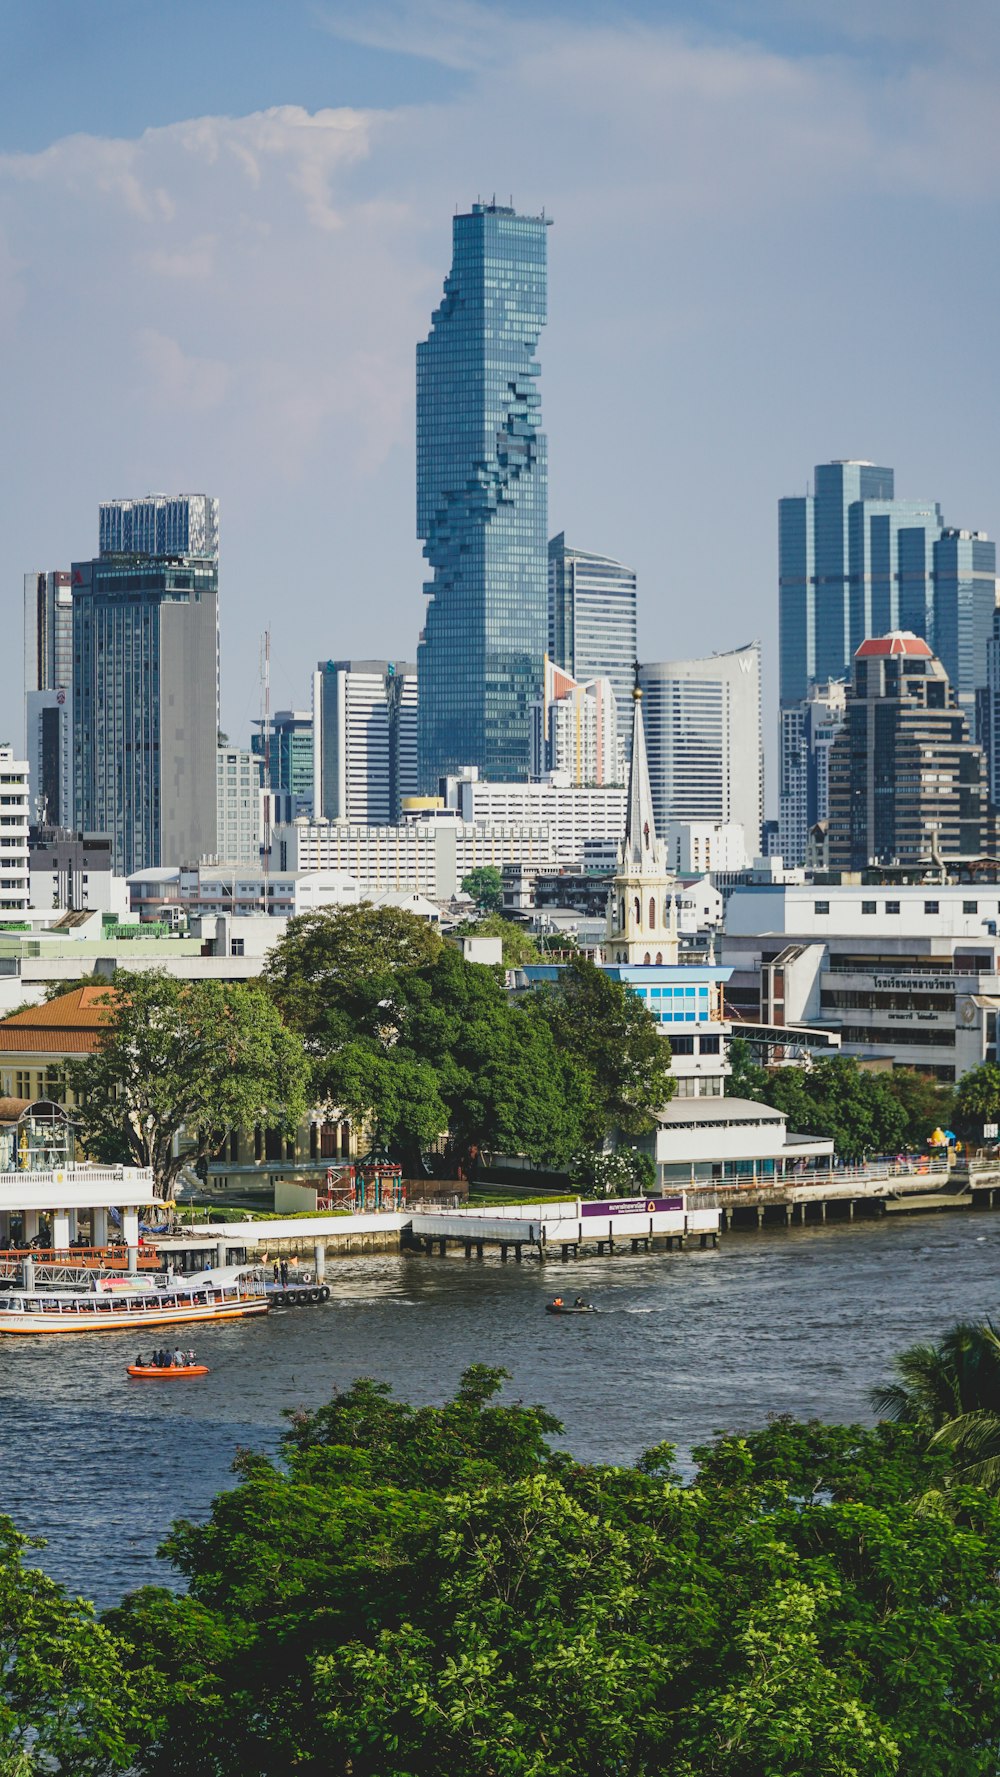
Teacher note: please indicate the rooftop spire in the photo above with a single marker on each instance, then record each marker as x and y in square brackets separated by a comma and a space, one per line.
[639, 844]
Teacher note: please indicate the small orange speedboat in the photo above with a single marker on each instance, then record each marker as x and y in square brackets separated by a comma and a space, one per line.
[173, 1370]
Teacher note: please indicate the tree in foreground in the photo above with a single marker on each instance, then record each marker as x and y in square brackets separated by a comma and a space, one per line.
[197, 1059]
[67, 1704]
[413, 1591]
[950, 1392]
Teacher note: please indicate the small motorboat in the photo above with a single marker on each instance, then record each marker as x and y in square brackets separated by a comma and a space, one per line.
[172, 1370]
[577, 1307]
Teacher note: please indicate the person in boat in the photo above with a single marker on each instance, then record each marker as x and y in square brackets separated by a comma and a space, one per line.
[580, 1303]
[558, 1302]
[179, 1358]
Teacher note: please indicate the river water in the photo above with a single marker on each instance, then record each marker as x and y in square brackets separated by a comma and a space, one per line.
[799, 1321]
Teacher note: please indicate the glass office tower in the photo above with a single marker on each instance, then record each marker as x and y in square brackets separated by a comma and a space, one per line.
[481, 500]
[965, 569]
[592, 622]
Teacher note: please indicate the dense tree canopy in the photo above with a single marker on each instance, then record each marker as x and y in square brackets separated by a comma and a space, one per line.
[198, 1058]
[866, 1113]
[977, 1100]
[407, 1036]
[414, 1591]
[518, 945]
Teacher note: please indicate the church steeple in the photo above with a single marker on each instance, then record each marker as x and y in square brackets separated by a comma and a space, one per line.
[642, 911]
[639, 844]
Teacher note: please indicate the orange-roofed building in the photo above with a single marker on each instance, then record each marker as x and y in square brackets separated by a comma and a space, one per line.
[38, 1042]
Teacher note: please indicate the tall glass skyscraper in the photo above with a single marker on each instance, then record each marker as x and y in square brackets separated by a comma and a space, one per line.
[161, 524]
[482, 500]
[592, 622]
[855, 562]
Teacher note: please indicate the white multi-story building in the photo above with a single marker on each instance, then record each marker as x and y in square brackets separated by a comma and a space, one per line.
[15, 881]
[695, 848]
[703, 740]
[239, 795]
[575, 731]
[364, 739]
[211, 891]
[428, 856]
[573, 813]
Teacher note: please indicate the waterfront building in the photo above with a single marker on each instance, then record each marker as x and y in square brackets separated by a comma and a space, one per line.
[642, 910]
[905, 781]
[575, 730]
[905, 973]
[364, 739]
[592, 622]
[482, 500]
[145, 706]
[808, 730]
[290, 758]
[15, 882]
[239, 822]
[160, 524]
[575, 815]
[703, 739]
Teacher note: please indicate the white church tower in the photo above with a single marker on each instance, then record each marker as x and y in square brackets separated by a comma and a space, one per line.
[642, 915]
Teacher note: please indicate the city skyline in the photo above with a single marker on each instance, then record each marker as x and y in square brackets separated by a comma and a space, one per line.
[662, 389]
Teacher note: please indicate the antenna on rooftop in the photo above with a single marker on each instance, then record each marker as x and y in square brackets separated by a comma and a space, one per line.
[265, 770]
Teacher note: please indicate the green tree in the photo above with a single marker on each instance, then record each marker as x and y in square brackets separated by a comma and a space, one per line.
[519, 947]
[927, 1103]
[611, 1035]
[418, 1590]
[838, 1099]
[485, 885]
[950, 1392]
[747, 1079]
[977, 1100]
[622, 1172]
[66, 1701]
[192, 1059]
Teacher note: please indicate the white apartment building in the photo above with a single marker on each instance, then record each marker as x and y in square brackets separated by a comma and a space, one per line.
[574, 814]
[211, 891]
[239, 806]
[703, 740]
[429, 855]
[15, 880]
[694, 848]
[364, 739]
[575, 730]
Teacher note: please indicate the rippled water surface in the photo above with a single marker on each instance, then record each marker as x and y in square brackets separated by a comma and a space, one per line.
[801, 1321]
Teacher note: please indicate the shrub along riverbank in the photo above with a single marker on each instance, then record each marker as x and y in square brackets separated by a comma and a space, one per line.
[440, 1590]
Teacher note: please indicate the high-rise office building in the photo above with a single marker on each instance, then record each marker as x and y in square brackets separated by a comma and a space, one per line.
[48, 693]
[592, 622]
[988, 713]
[965, 580]
[161, 524]
[906, 781]
[145, 706]
[703, 740]
[808, 731]
[15, 880]
[856, 562]
[481, 500]
[290, 756]
[239, 817]
[364, 739]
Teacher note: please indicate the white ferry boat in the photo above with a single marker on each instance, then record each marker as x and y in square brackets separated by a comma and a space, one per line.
[115, 1304]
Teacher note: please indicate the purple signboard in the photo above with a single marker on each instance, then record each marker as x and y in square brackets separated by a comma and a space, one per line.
[632, 1206]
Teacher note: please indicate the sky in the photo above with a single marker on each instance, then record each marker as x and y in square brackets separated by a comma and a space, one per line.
[224, 225]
